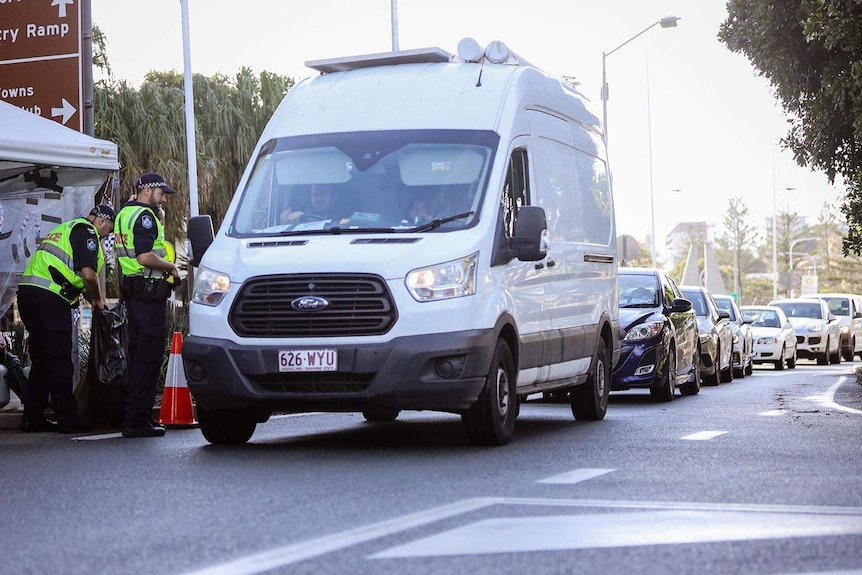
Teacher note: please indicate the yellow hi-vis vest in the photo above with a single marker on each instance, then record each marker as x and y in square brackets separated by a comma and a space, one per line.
[124, 235]
[55, 251]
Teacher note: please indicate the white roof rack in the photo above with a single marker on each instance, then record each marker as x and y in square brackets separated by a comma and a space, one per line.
[345, 63]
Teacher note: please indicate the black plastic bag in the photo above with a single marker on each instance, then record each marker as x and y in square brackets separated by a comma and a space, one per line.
[100, 393]
[108, 343]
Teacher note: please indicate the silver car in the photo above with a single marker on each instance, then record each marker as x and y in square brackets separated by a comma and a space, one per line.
[743, 339]
[774, 338]
[716, 339]
[817, 332]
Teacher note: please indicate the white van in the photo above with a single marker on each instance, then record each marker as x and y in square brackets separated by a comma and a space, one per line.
[468, 259]
[847, 307]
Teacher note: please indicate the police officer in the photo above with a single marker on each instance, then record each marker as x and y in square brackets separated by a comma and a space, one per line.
[66, 264]
[140, 249]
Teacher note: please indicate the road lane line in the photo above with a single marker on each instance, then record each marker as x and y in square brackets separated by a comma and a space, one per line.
[289, 554]
[773, 412]
[575, 476]
[98, 437]
[703, 435]
[828, 399]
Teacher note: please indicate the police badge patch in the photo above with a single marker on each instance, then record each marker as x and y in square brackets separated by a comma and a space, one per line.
[147, 222]
[91, 244]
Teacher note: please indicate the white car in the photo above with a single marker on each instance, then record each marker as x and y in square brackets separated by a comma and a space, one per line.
[847, 307]
[774, 338]
[817, 332]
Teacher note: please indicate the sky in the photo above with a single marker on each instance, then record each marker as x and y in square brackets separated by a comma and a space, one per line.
[690, 124]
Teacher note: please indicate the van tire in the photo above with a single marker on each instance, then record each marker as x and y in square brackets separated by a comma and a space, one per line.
[491, 420]
[381, 414]
[226, 426]
[590, 399]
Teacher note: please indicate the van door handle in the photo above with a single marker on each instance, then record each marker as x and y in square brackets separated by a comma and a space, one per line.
[552, 263]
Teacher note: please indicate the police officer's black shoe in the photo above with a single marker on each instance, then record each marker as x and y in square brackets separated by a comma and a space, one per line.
[144, 431]
[38, 426]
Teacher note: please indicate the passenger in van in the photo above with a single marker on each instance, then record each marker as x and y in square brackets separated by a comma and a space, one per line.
[421, 211]
[322, 206]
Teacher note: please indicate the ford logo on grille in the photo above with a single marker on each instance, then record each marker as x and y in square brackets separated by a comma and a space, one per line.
[309, 303]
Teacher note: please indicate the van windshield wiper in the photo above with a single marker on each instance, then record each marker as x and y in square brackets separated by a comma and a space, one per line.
[337, 230]
[437, 222]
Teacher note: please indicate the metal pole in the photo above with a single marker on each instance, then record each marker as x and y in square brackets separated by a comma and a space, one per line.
[774, 235]
[394, 11]
[190, 113]
[87, 67]
[604, 98]
[651, 192]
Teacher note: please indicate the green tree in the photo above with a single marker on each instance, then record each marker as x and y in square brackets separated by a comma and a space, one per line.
[811, 53]
[734, 253]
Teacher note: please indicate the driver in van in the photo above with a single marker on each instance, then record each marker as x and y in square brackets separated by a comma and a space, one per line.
[322, 206]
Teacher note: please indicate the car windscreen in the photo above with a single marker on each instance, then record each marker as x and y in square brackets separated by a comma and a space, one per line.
[398, 180]
[698, 301]
[638, 290]
[809, 310]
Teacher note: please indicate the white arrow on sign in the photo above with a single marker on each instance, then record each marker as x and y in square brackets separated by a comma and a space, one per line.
[62, 4]
[66, 111]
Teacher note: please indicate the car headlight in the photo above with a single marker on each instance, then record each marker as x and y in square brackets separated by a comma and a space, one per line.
[456, 278]
[705, 338]
[646, 330]
[767, 341]
[210, 287]
[845, 329]
[736, 338]
[816, 327]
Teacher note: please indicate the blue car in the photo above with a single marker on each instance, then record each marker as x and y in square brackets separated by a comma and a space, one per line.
[660, 346]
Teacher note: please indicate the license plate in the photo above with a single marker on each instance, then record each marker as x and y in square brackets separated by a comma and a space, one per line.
[307, 360]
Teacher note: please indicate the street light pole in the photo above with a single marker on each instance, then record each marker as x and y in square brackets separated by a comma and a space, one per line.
[790, 259]
[666, 22]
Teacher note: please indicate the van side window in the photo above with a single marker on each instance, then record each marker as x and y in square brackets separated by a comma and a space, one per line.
[516, 190]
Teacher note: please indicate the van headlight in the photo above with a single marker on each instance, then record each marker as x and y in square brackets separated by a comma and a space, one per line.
[456, 278]
[210, 287]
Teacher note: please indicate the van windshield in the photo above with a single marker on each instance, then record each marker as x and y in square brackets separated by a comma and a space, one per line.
[386, 181]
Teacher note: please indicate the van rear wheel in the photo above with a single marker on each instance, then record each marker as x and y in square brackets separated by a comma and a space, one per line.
[590, 399]
[491, 420]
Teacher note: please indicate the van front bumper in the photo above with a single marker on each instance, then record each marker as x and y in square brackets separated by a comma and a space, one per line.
[438, 372]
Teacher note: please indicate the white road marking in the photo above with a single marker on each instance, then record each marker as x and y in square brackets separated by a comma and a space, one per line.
[290, 554]
[773, 412]
[98, 437]
[575, 476]
[629, 529]
[703, 435]
[286, 415]
[827, 400]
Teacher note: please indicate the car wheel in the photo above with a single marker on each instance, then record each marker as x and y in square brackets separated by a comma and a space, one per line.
[749, 367]
[726, 375]
[791, 361]
[226, 426]
[590, 399]
[381, 414]
[848, 351]
[667, 384]
[835, 357]
[712, 378]
[823, 359]
[491, 420]
[692, 386]
[779, 365]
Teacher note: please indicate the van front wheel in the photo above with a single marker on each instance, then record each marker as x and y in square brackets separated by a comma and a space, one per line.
[491, 420]
[227, 426]
[590, 399]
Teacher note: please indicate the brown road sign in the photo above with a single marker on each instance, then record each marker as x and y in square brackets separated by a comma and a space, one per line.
[40, 58]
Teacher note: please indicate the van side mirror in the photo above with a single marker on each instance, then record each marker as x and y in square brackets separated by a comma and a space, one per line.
[200, 235]
[857, 315]
[531, 240]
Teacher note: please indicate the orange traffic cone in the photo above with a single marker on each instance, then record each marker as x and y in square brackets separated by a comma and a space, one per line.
[176, 401]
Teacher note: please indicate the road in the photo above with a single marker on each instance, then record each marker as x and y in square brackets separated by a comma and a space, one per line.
[759, 476]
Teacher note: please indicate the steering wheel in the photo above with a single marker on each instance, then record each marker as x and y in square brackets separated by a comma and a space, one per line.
[305, 218]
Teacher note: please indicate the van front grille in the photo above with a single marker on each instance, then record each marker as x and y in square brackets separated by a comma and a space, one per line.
[358, 304]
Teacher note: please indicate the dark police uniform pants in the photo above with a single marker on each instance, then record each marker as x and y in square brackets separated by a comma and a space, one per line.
[147, 331]
[48, 318]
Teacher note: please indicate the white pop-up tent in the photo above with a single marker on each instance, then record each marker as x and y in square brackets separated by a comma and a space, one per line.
[48, 174]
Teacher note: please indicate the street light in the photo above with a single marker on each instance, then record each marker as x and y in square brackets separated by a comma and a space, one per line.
[775, 238]
[790, 260]
[666, 22]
